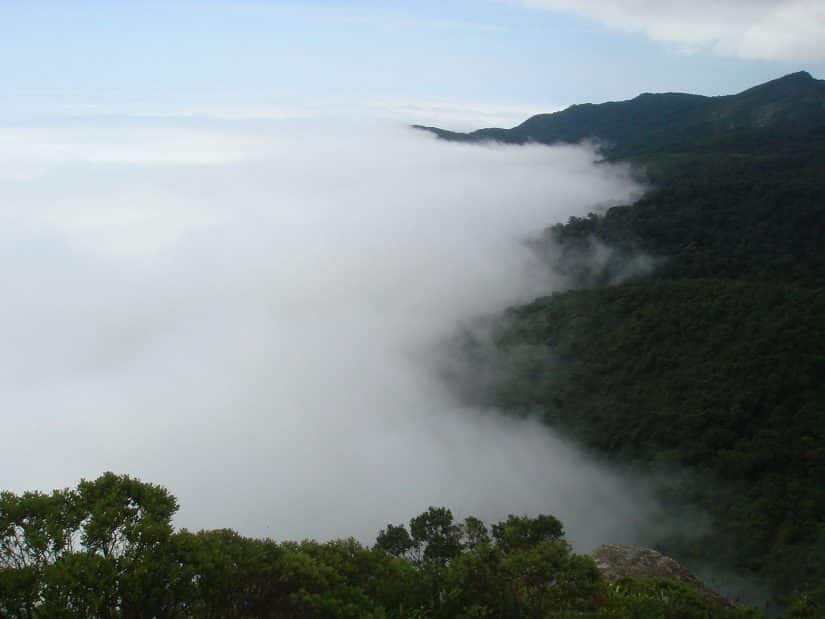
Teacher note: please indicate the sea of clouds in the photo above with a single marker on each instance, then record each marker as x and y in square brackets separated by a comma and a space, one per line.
[246, 313]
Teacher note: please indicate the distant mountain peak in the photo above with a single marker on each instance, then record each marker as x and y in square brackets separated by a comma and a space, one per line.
[798, 75]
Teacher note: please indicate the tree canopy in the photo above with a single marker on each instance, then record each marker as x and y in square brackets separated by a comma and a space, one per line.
[107, 549]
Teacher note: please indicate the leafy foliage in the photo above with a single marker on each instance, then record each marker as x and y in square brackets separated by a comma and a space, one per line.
[808, 604]
[128, 562]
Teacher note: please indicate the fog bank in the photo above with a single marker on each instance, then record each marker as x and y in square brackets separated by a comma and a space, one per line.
[245, 313]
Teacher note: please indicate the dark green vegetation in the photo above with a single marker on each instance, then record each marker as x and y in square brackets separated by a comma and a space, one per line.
[653, 123]
[107, 549]
[692, 340]
[693, 336]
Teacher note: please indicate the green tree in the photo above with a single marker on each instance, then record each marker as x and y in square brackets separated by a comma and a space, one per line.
[435, 535]
[394, 540]
[520, 532]
[809, 604]
[475, 533]
[93, 551]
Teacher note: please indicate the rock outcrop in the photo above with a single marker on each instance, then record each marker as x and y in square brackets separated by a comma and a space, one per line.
[616, 561]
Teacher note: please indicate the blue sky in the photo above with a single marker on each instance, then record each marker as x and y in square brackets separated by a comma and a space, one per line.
[480, 54]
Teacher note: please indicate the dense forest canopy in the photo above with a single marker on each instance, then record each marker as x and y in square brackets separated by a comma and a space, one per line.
[693, 330]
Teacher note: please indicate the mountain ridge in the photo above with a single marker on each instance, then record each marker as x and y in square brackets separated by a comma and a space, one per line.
[652, 122]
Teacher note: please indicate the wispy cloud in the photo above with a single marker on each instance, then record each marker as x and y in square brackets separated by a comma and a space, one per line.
[454, 114]
[792, 30]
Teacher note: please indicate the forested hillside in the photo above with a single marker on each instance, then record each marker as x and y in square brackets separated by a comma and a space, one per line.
[694, 330]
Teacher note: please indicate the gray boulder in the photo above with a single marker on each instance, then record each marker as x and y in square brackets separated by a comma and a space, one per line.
[616, 561]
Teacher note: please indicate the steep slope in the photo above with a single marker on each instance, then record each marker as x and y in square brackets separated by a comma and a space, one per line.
[714, 359]
[724, 378]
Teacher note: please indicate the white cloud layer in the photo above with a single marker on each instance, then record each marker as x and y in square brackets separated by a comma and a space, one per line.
[455, 114]
[791, 30]
[248, 318]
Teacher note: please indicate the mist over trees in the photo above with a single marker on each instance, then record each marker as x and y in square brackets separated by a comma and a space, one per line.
[687, 348]
[691, 340]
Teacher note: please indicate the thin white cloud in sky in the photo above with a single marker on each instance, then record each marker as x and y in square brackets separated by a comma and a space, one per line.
[26, 152]
[459, 115]
[790, 30]
[257, 331]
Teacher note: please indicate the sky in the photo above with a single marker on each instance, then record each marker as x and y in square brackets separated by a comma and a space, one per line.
[229, 267]
[467, 63]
